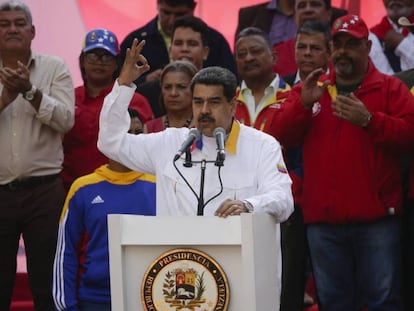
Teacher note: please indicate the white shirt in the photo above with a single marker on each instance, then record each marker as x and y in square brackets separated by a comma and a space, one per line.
[250, 102]
[405, 51]
[377, 55]
[253, 170]
[30, 140]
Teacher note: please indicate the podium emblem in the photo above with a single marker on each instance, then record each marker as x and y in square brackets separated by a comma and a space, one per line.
[185, 280]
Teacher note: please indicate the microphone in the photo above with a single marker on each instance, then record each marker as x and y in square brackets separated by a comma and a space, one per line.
[220, 135]
[193, 135]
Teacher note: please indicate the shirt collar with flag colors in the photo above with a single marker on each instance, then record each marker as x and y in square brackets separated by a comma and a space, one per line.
[231, 141]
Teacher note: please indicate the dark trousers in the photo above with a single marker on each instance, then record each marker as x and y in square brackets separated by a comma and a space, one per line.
[408, 254]
[33, 212]
[357, 265]
[294, 252]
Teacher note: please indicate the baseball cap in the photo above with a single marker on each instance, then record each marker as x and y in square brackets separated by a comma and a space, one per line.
[351, 24]
[101, 39]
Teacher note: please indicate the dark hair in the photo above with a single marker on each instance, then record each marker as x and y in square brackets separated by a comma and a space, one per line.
[195, 24]
[217, 76]
[134, 114]
[315, 27]
[15, 5]
[179, 66]
[174, 3]
[328, 4]
[254, 31]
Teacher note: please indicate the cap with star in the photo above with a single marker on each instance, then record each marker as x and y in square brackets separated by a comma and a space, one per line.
[351, 24]
[101, 39]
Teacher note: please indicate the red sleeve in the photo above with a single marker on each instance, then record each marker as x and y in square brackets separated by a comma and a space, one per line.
[285, 58]
[393, 127]
[381, 29]
[141, 104]
[293, 120]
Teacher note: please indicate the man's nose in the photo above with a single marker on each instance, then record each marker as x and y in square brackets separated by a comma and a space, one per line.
[205, 108]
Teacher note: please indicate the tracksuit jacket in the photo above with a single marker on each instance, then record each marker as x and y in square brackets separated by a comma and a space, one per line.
[81, 267]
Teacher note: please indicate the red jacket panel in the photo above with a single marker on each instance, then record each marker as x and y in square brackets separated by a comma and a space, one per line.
[81, 155]
[285, 58]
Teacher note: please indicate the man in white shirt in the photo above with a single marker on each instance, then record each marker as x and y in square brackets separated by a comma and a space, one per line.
[254, 169]
[36, 109]
[254, 176]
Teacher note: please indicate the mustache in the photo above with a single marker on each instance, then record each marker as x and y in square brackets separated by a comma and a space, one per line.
[346, 58]
[205, 117]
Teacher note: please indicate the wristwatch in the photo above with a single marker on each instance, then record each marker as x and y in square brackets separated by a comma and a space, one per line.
[367, 120]
[248, 206]
[30, 94]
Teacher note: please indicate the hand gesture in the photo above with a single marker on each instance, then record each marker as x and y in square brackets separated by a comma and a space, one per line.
[392, 39]
[351, 109]
[135, 64]
[311, 91]
[231, 208]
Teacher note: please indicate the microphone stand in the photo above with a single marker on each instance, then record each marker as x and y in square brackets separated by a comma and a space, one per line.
[200, 208]
[200, 198]
[188, 162]
[220, 159]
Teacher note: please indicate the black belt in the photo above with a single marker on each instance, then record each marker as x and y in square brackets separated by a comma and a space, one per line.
[29, 182]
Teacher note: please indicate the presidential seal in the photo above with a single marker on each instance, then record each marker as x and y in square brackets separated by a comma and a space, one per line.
[185, 280]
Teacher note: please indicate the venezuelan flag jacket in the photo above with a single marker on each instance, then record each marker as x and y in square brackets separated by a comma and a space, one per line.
[81, 267]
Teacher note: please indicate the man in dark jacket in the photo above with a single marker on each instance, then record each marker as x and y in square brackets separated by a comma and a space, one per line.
[276, 18]
[157, 36]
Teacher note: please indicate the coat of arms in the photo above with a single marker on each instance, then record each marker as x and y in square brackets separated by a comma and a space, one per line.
[185, 280]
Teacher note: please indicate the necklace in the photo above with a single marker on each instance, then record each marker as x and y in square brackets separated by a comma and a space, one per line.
[186, 123]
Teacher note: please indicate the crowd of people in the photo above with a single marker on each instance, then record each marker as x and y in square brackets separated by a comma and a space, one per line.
[317, 115]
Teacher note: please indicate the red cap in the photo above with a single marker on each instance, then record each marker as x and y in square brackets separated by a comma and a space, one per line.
[351, 24]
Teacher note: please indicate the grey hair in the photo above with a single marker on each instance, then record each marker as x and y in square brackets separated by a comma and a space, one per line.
[16, 5]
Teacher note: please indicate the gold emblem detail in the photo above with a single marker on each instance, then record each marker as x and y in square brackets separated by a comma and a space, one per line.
[185, 279]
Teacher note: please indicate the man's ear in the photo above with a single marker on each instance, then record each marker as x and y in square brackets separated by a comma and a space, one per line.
[206, 50]
[233, 103]
[33, 32]
[274, 56]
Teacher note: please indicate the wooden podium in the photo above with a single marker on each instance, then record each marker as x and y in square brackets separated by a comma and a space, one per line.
[244, 246]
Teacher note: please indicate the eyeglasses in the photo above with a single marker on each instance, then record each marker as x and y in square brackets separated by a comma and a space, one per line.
[93, 58]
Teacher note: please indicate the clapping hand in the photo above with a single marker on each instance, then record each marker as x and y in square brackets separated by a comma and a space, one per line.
[135, 64]
[14, 81]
